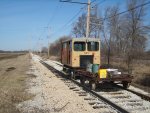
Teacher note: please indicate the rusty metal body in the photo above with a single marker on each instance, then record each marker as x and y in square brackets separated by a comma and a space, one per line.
[97, 79]
[75, 52]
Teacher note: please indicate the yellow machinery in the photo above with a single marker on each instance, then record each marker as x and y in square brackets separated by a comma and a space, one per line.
[78, 52]
[102, 73]
[81, 55]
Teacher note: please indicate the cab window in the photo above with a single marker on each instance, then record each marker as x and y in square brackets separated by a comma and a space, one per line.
[93, 46]
[79, 46]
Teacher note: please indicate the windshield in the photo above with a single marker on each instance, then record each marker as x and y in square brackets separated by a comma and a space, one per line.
[93, 46]
[79, 46]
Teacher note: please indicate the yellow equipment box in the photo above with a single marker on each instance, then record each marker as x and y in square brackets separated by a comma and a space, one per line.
[102, 73]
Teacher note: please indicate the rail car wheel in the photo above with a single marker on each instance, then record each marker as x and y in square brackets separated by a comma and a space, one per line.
[64, 69]
[125, 84]
[82, 80]
[92, 85]
[72, 75]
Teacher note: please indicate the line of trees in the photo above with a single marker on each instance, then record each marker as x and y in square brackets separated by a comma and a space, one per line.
[55, 47]
[121, 34]
[124, 35]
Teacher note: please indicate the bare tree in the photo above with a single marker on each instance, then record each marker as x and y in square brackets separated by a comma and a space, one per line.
[122, 34]
[111, 32]
[79, 27]
[125, 34]
[55, 47]
[135, 33]
[44, 50]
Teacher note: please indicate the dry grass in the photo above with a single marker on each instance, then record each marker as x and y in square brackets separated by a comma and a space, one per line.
[9, 55]
[12, 83]
[140, 71]
[51, 57]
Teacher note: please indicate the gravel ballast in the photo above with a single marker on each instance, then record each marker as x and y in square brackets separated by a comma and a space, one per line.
[51, 93]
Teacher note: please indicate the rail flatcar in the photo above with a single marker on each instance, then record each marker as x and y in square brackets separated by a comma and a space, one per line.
[81, 60]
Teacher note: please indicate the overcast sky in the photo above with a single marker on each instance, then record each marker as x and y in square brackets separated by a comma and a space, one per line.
[28, 24]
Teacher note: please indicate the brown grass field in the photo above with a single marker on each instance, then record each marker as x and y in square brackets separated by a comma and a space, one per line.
[140, 71]
[13, 69]
[9, 55]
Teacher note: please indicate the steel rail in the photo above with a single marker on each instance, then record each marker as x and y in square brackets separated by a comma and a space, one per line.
[118, 108]
[143, 96]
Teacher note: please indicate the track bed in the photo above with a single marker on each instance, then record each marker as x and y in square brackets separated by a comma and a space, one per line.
[94, 79]
[119, 99]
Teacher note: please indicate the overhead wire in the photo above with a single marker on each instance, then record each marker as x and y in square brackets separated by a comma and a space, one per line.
[102, 19]
[99, 3]
[93, 1]
[68, 21]
[66, 24]
[138, 6]
[124, 11]
[72, 18]
[76, 2]
[127, 10]
[50, 20]
[57, 9]
[52, 17]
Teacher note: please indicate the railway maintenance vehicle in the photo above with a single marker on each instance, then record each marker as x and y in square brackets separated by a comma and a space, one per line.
[81, 60]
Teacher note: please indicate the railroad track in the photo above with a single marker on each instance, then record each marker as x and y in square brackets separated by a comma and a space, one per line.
[145, 97]
[110, 99]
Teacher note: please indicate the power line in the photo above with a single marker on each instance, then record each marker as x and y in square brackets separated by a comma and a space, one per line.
[69, 21]
[52, 17]
[102, 19]
[93, 1]
[68, 1]
[98, 3]
[127, 10]
[77, 12]
[56, 11]
[76, 2]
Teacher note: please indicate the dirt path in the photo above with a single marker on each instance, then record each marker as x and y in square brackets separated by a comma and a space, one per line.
[52, 95]
[12, 83]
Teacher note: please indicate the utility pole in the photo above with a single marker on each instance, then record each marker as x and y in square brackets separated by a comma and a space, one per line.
[41, 49]
[48, 49]
[88, 19]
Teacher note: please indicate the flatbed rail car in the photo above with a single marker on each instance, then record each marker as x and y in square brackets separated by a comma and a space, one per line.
[95, 79]
[80, 55]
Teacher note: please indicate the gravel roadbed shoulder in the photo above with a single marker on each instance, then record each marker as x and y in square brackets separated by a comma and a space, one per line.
[51, 94]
